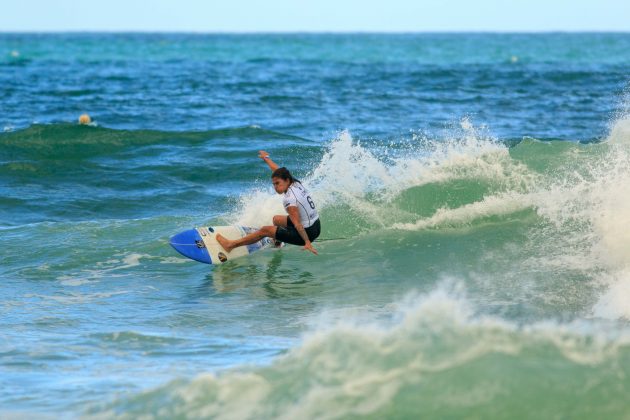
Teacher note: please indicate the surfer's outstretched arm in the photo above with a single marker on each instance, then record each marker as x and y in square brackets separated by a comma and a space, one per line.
[265, 156]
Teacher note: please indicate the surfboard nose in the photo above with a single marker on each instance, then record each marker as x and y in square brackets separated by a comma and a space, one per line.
[189, 244]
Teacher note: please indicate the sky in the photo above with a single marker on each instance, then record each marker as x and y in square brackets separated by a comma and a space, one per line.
[314, 15]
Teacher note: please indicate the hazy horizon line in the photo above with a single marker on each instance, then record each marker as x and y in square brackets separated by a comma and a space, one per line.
[318, 32]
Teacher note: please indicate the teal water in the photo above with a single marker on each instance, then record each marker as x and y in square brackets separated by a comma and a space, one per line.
[473, 193]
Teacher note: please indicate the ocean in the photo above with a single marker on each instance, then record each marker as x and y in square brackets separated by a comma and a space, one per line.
[474, 194]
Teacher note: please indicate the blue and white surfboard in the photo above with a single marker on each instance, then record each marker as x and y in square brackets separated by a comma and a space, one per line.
[200, 244]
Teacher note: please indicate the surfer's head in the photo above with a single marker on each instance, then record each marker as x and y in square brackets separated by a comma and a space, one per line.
[281, 179]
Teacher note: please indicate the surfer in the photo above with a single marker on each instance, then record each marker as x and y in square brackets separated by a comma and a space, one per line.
[300, 227]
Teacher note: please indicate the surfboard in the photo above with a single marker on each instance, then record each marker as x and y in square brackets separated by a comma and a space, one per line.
[200, 244]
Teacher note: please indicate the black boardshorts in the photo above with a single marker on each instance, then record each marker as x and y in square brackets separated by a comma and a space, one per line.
[290, 234]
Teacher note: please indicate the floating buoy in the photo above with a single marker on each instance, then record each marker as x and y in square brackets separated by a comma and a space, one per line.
[85, 119]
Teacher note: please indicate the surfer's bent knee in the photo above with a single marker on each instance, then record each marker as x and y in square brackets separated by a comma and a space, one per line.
[269, 231]
[279, 221]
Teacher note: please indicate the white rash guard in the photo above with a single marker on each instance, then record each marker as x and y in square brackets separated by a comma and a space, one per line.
[299, 197]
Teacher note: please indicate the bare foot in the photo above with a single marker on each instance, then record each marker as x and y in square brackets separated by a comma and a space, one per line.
[225, 243]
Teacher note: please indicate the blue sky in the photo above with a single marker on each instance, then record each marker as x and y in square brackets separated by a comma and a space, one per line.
[315, 16]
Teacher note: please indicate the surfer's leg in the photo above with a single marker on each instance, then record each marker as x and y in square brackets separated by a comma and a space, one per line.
[265, 231]
[280, 221]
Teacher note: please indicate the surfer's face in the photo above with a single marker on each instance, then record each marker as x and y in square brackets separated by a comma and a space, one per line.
[280, 185]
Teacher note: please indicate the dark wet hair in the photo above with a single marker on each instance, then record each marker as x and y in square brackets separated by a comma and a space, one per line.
[284, 174]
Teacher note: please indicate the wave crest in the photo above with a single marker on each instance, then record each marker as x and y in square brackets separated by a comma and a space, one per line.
[433, 358]
[372, 187]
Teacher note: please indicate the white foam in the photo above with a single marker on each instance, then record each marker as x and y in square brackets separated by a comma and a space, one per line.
[73, 281]
[128, 261]
[594, 207]
[258, 207]
[77, 298]
[174, 260]
[589, 211]
[614, 303]
[132, 260]
[104, 268]
[620, 131]
[357, 366]
[366, 178]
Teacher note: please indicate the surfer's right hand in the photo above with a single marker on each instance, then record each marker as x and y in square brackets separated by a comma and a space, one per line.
[309, 247]
[262, 154]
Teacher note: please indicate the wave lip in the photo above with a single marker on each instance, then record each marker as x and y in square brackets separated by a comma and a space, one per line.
[491, 206]
[376, 188]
